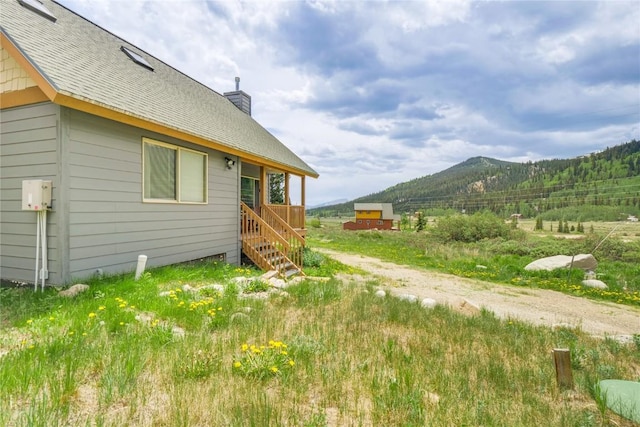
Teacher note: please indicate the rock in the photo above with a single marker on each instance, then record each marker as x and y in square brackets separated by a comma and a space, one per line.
[468, 308]
[238, 317]
[590, 275]
[481, 267]
[432, 398]
[581, 261]
[74, 290]
[145, 318]
[428, 303]
[164, 293]
[296, 280]
[188, 288]
[278, 283]
[380, 293]
[268, 275]
[254, 295]
[624, 339]
[178, 332]
[408, 297]
[216, 287]
[593, 283]
[241, 281]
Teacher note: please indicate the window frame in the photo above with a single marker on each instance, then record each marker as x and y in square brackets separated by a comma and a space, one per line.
[178, 178]
[253, 190]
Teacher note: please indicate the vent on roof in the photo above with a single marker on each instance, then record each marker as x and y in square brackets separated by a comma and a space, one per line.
[39, 8]
[136, 58]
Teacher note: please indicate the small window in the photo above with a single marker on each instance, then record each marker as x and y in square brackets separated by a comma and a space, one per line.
[39, 8]
[137, 58]
[173, 174]
[359, 221]
[380, 222]
[248, 191]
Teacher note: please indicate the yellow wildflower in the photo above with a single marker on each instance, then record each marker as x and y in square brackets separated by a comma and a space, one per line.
[237, 364]
[92, 315]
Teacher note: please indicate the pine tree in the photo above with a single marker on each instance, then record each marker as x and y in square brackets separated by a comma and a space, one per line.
[276, 189]
[420, 222]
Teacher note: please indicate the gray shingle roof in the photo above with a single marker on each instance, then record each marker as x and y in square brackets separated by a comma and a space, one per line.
[84, 61]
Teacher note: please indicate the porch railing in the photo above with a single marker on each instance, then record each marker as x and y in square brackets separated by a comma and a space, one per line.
[293, 215]
[265, 245]
[295, 240]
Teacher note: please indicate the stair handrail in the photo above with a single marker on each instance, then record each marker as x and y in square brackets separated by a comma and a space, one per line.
[272, 218]
[266, 230]
[296, 241]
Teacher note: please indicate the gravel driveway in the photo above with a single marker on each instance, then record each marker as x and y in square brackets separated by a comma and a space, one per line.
[537, 306]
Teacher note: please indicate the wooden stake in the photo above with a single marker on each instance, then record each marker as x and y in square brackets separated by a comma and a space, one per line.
[562, 360]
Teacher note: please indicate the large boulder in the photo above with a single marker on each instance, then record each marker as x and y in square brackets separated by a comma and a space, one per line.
[74, 290]
[581, 261]
[594, 283]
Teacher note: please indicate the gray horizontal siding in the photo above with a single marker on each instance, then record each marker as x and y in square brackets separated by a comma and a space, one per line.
[109, 225]
[28, 150]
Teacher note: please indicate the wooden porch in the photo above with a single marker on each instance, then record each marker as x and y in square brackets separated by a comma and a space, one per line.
[274, 238]
[272, 234]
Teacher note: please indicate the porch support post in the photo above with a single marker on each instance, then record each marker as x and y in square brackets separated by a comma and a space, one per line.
[303, 202]
[287, 199]
[263, 186]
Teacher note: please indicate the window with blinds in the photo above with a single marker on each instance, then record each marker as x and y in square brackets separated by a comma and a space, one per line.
[173, 174]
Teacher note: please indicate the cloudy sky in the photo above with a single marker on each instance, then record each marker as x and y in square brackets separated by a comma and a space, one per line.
[372, 93]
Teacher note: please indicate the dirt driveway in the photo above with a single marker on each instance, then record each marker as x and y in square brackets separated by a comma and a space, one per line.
[537, 306]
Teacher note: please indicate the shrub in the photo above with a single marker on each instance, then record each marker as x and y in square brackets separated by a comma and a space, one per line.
[610, 248]
[312, 259]
[314, 223]
[471, 228]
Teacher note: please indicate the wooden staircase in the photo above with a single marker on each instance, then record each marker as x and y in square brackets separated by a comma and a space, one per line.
[270, 242]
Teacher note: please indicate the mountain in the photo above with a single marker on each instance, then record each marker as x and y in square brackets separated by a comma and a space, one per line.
[330, 203]
[608, 178]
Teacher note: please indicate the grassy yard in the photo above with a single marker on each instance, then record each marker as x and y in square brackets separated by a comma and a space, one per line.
[326, 353]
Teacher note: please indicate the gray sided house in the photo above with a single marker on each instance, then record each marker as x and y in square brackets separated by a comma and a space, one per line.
[142, 158]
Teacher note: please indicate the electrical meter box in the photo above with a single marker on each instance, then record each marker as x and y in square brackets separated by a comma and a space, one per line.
[36, 195]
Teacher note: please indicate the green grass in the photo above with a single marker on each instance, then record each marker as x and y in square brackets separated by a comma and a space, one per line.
[152, 353]
[499, 260]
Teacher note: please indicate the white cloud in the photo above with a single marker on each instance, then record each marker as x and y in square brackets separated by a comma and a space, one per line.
[419, 86]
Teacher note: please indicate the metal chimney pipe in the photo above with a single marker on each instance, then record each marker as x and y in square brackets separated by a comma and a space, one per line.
[237, 84]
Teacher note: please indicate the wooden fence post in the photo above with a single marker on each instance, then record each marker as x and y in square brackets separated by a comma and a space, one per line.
[562, 360]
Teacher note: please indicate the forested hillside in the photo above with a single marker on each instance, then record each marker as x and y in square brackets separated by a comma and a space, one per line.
[604, 185]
